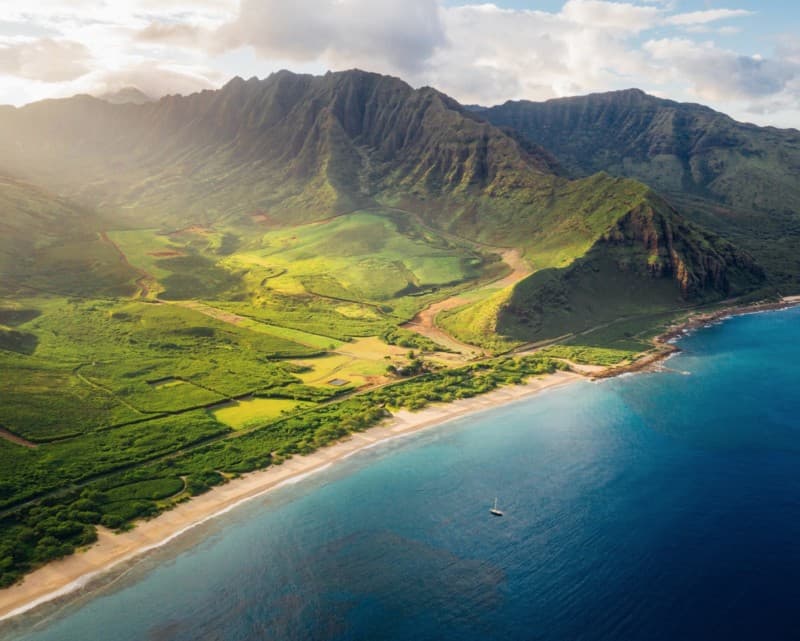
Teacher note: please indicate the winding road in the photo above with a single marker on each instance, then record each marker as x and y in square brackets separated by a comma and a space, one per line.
[424, 323]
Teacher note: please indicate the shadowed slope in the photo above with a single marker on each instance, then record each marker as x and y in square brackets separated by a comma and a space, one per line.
[45, 241]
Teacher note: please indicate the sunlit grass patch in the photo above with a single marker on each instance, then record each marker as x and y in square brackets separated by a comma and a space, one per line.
[363, 256]
[359, 362]
[589, 355]
[245, 413]
[145, 249]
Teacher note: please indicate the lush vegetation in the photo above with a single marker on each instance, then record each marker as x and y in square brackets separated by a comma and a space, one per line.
[93, 480]
[406, 338]
[104, 363]
[588, 355]
[476, 323]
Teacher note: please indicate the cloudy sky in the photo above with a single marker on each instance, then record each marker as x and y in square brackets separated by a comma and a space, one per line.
[739, 56]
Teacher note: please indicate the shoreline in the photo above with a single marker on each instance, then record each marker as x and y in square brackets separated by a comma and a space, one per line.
[664, 344]
[85, 567]
[698, 320]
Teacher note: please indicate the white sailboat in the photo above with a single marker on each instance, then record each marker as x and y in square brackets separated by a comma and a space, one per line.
[494, 510]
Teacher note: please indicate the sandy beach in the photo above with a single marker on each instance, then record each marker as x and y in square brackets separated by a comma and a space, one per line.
[59, 578]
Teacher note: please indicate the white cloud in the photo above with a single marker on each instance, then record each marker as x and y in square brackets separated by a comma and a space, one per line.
[789, 48]
[176, 34]
[44, 59]
[705, 17]
[401, 35]
[603, 15]
[498, 54]
[717, 74]
[155, 80]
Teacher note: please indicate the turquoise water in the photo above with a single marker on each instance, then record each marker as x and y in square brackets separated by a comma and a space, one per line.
[656, 506]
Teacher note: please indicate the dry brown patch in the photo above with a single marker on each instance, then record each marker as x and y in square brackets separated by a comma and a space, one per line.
[212, 312]
[13, 438]
[198, 230]
[166, 253]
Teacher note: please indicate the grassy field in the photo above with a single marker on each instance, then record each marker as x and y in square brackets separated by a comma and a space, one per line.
[147, 248]
[587, 355]
[353, 275]
[360, 257]
[476, 322]
[96, 361]
[225, 314]
[254, 411]
[363, 361]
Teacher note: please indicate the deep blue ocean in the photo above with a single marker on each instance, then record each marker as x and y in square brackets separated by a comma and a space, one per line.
[649, 507]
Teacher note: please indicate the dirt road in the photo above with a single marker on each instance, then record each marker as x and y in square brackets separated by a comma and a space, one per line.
[424, 323]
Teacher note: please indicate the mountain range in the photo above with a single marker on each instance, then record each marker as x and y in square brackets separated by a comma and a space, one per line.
[620, 202]
[738, 179]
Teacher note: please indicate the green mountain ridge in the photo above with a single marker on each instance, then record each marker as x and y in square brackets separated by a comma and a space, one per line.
[300, 148]
[738, 179]
[649, 260]
[646, 260]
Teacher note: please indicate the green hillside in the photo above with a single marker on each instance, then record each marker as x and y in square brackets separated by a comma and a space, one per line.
[48, 243]
[629, 262]
[738, 179]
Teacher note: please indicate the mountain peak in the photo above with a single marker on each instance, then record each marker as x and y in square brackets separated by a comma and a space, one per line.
[631, 91]
[236, 81]
[132, 95]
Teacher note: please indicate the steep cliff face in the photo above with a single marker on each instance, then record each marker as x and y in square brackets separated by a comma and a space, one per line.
[655, 242]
